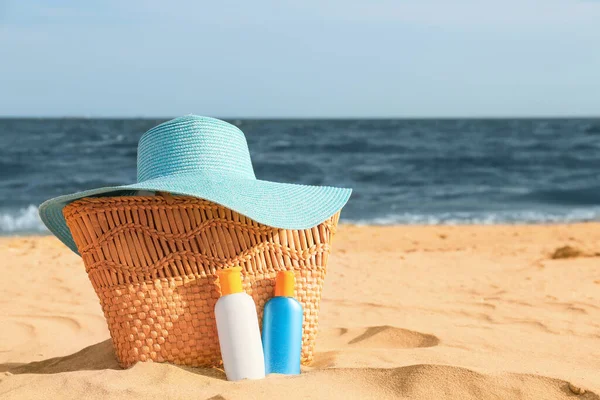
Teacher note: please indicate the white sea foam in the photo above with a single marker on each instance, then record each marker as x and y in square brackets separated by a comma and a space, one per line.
[24, 220]
[484, 218]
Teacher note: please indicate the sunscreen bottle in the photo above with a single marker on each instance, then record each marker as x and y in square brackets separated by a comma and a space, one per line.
[282, 328]
[238, 329]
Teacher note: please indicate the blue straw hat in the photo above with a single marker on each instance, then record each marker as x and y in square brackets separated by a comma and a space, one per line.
[209, 159]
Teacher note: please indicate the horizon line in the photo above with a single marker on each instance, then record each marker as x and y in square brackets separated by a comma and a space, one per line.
[489, 117]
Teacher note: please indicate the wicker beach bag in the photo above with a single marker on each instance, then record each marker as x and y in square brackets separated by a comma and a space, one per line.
[152, 262]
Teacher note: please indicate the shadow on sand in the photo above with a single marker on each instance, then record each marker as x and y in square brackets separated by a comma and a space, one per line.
[99, 356]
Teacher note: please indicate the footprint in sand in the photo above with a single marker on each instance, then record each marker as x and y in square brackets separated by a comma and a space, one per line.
[334, 344]
[16, 333]
[375, 337]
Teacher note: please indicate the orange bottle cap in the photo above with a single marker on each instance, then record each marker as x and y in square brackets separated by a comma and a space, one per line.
[230, 280]
[284, 284]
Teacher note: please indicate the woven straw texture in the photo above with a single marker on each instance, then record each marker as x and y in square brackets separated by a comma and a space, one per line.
[153, 260]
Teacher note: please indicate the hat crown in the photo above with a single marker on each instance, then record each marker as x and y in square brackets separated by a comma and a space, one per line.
[193, 144]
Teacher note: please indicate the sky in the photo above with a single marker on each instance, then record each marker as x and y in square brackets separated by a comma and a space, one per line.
[343, 58]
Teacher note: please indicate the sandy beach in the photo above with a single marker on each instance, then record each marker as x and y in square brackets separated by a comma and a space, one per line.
[461, 312]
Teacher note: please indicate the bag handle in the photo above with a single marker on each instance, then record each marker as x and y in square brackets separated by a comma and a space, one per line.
[169, 199]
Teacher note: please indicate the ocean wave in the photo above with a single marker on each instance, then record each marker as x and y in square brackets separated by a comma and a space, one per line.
[575, 196]
[483, 218]
[593, 129]
[24, 220]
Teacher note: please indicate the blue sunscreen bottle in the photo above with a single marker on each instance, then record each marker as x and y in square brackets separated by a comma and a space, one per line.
[282, 328]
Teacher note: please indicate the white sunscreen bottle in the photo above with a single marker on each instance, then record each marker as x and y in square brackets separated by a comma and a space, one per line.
[238, 329]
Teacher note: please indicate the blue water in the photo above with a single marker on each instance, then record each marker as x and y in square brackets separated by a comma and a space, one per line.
[402, 171]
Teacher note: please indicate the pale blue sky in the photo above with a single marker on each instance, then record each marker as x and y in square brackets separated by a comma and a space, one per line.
[345, 58]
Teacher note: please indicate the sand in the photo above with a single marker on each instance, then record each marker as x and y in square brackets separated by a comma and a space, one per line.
[478, 312]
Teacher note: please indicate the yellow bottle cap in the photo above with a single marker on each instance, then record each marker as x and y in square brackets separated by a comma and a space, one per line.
[284, 284]
[230, 280]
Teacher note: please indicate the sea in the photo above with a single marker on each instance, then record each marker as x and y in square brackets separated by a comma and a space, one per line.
[403, 171]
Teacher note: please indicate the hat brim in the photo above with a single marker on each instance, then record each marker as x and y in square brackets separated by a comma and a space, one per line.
[280, 205]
